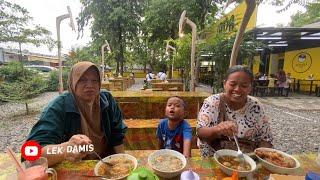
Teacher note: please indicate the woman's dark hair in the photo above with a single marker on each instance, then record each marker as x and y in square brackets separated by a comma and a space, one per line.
[239, 68]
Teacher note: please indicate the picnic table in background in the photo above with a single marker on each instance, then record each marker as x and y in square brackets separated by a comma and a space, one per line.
[312, 83]
[207, 168]
[168, 86]
[141, 134]
[151, 104]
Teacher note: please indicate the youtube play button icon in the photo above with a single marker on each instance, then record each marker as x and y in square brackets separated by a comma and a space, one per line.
[31, 150]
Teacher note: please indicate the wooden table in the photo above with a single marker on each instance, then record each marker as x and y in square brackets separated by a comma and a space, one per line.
[207, 168]
[311, 83]
[106, 85]
[168, 86]
[151, 104]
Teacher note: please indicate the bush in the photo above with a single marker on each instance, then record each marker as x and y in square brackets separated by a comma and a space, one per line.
[53, 84]
[13, 71]
[20, 84]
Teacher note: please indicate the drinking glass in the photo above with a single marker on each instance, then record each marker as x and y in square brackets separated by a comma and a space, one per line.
[37, 169]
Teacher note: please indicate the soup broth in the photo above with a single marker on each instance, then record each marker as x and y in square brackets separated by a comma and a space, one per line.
[234, 163]
[167, 162]
[120, 168]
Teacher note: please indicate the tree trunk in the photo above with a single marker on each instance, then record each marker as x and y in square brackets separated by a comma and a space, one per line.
[27, 108]
[251, 5]
[20, 52]
[250, 62]
[197, 74]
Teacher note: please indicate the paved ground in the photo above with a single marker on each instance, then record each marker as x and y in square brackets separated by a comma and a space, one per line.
[294, 102]
[294, 120]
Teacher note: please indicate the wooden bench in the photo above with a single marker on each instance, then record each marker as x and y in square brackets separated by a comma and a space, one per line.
[141, 134]
[148, 104]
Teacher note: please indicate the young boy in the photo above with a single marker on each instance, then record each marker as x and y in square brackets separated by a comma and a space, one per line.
[174, 132]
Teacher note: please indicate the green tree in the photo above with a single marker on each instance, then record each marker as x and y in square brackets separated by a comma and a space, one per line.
[311, 15]
[86, 53]
[15, 27]
[20, 84]
[115, 21]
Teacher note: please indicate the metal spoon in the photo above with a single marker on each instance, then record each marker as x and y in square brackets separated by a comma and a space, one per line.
[105, 162]
[107, 165]
[239, 152]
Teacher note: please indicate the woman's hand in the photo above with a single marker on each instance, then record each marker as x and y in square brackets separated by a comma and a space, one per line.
[77, 140]
[226, 128]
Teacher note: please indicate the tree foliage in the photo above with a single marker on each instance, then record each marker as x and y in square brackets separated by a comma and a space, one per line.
[20, 84]
[311, 15]
[15, 26]
[115, 21]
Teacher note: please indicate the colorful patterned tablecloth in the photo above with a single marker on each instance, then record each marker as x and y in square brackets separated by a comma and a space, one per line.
[206, 167]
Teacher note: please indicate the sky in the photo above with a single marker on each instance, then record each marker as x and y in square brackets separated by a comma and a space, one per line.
[44, 12]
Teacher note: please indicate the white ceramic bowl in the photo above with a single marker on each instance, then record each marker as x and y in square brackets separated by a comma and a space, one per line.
[108, 158]
[167, 174]
[227, 170]
[278, 169]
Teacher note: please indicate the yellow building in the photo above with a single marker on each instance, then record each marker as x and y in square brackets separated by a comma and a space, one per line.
[294, 50]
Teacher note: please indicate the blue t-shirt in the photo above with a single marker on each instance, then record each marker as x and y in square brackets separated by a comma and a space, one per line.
[173, 139]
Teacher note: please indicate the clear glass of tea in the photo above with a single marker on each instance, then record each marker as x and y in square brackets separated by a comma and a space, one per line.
[37, 170]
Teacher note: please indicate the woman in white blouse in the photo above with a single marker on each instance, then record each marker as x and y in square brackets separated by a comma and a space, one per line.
[233, 113]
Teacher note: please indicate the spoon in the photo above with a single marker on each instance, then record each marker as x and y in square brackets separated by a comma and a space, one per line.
[105, 162]
[239, 152]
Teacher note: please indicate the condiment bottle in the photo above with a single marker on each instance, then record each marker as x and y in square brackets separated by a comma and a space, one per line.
[189, 175]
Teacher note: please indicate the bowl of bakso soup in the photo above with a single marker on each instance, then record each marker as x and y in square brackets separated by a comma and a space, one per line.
[118, 166]
[228, 162]
[277, 161]
[167, 163]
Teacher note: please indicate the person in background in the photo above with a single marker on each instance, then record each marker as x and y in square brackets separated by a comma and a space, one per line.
[162, 75]
[287, 84]
[84, 115]
[174, 132]
[281, 81]
[258, 75]
[149, 76]
[233, 113]
[271, 84]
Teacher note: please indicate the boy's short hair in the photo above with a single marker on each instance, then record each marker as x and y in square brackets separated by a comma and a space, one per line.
[183, 102]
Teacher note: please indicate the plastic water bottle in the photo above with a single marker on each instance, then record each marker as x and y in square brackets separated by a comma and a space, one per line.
[312, 176]
[189, 175]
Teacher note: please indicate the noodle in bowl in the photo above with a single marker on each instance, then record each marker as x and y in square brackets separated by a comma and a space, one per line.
[167, 163]
[123, 164]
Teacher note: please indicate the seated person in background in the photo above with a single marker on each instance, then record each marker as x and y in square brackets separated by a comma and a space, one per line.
[287, 84]
[233, 113]
[84, 115]
[149, 76]
[174, 132]
[271, 83]
[281, 81]
[162, 75]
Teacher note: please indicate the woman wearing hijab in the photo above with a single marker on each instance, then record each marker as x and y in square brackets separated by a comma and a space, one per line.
[83, 116]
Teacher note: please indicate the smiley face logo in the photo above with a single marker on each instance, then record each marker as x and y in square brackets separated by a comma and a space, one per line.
[301, 62]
